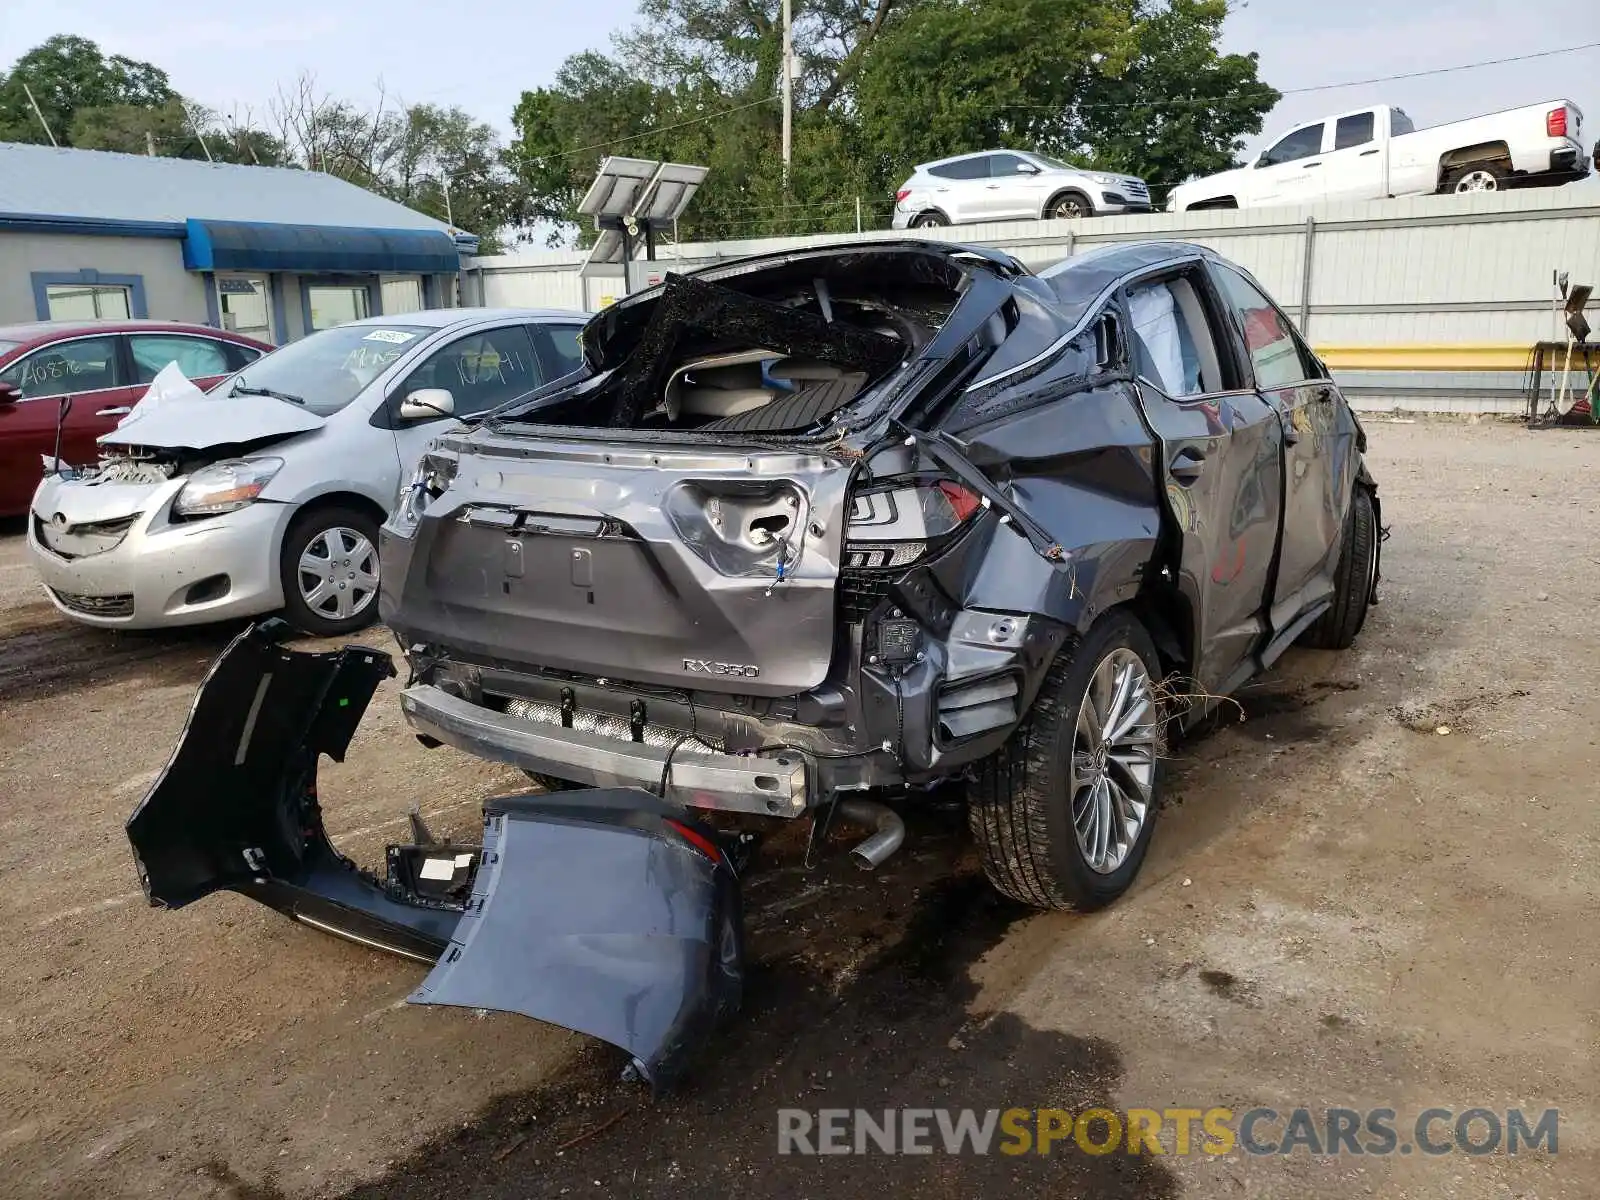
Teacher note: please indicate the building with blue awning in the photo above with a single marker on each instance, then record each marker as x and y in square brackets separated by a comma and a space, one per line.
[271, 252]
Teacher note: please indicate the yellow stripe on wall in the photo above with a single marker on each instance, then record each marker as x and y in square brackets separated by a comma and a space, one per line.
[1464, 357]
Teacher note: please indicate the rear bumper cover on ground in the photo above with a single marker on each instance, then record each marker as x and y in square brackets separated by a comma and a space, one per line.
[611, 912]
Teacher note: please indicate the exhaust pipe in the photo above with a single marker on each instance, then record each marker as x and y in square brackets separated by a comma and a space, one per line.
[891, 831]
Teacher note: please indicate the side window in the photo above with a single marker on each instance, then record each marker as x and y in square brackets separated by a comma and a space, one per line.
[1302, 143]
[1276, 351]
[84, 365]
[963, 168]
[480, 371]
[1004, 166]
[198, 358]
[240, 356]
[1352, 131]
[1399, 123]
[558, 349]
[1171, 339]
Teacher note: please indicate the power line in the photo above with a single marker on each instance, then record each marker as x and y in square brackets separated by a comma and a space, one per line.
[1182, 102]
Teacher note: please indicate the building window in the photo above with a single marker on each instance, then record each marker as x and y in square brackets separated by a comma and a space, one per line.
[330, 306]
[402, 295]
[84, 302]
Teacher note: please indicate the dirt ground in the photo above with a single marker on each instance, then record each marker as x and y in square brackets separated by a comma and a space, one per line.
[1345, 905]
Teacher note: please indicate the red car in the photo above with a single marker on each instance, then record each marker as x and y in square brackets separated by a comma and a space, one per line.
[103, 366]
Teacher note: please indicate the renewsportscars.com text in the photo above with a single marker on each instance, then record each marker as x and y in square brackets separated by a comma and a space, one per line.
[1180, 1131]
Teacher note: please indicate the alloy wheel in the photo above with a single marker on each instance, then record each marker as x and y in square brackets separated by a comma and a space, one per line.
[338, 573]
[1113, 760]
[1066, 210]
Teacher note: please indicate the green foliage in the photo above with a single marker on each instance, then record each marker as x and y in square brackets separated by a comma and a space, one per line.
[69, 76]
[1130, 85]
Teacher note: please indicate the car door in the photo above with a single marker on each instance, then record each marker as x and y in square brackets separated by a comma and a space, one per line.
[1319, 446]
[960, 187]
[1221, 447]
[481, 370]
[1014, 190]
[85, 373]
[1352, 165]
[1290, 170]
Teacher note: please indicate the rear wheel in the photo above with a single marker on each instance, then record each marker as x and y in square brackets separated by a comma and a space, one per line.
[1336, 629]
[329, 570]
[1478, 177]
[929, 220]
[1062, 815]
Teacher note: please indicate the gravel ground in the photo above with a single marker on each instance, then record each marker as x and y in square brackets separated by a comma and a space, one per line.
[1344, 906]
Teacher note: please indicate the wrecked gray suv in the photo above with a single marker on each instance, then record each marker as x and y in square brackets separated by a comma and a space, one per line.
[801, 534]
[807, 527]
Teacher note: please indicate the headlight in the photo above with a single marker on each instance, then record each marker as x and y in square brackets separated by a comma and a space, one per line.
[1104, 180]
[225, 486]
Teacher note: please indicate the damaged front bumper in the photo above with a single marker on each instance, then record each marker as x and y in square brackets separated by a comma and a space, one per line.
[611, 912]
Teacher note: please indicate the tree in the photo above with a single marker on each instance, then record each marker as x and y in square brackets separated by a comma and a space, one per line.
[448, 165]
[1137, 87]
[68, 75]
[1132, 85]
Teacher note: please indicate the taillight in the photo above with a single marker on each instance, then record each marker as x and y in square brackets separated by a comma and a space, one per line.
[1555, 122]
[896, 526]
[695, 838]
[901, 194]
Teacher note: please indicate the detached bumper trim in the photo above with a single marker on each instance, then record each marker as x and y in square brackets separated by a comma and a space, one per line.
[770, 787]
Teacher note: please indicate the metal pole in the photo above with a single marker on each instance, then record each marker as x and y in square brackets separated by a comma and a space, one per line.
[788, 89]
[858, 214]
[449, 213]
[203, 145]
[1305, 278]
[29, 91]
[149, 143]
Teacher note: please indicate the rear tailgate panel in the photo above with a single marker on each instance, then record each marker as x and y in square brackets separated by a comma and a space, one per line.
[650, 565]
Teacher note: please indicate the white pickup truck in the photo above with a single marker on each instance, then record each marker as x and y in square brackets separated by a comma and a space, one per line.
[1377, 152]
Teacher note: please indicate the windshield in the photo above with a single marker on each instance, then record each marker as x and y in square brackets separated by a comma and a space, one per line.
[1053, 163]
[328, 369]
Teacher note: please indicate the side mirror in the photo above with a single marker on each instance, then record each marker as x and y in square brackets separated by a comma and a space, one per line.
[427, 404]
[1027, 168]
[10, 393]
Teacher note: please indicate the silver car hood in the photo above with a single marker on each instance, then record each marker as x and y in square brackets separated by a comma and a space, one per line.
[211, 420]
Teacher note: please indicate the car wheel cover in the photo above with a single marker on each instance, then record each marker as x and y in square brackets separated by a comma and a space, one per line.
[1478, 181]
[1069, 208]
[338, 573]
[1112, 778]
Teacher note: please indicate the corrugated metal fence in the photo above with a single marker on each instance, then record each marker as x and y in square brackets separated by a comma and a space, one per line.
[1407, 277]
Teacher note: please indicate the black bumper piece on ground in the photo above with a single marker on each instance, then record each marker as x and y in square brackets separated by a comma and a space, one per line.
[611, 911]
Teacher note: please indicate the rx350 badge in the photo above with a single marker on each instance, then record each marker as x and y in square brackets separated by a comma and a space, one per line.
[699, 666]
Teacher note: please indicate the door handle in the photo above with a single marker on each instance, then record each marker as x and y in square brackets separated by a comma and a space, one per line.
[993, 187]
[1308, 166]
[114, 412]
[1186, 467]
[1364, 153]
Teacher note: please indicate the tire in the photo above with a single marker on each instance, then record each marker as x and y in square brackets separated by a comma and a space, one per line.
[1021, 808]
[346, 539]
[929, 220]
[1490, 176]
[1068, 206]
[1336, 629]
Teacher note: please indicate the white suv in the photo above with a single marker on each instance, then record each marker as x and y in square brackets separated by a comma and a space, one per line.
[1011, 185]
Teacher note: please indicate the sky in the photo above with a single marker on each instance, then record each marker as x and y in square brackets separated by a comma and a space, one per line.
[481, 54]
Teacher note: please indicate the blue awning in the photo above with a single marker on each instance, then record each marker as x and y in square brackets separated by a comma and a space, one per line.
[257, 246]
